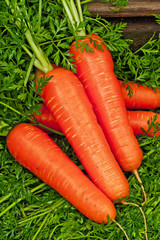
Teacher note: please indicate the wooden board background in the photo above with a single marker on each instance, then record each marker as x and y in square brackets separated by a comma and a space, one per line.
[141, 24]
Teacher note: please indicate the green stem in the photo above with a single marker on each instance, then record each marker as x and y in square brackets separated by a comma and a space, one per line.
[54, 206]
[79, 10]
[75, 16]
[5, 198]
[38, 53]
[74, 12]
[141, 48]
[20, 199]
[71, 19]
[45, 64]
[37, 64]
[40, 14]
[148, 153]
[86, 1]
[35, 122]
[145, 143]
[14, 110]
[50, 129]
[29, 70]
[41, 226]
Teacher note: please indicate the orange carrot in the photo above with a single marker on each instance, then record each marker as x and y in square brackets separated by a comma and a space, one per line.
[142, 97]
[78, 122]
[66, 99]
[37, 152]
[142, 119]
[95, 71]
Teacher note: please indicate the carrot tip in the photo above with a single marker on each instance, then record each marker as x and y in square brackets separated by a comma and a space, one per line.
[142, 187]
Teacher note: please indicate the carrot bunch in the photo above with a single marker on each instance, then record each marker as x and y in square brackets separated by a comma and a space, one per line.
[69, 104]
[88, 108]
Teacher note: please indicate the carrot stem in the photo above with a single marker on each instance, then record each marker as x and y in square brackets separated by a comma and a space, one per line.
[48, 210]
[144, 217]
[45, 64]
[5, 198]
[29, 70]
[142, 187]
[78, 3]
[40, 14]
[75, 17]
[39, 124]
[41, 226]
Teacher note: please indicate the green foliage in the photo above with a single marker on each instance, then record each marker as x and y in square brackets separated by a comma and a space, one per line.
[30, 209]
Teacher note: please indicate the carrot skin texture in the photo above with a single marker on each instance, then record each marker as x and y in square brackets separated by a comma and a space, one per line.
[95, 71]
[137, 119]
[140, 119]
[66, 99]
[37, 152]
[46, 118]
[142, 98]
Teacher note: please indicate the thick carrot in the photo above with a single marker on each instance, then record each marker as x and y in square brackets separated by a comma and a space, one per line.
[37, 152]
[95, 71]
[66, 99]
[142, 97]
[46, 118]
[68, 103]
[142, 119]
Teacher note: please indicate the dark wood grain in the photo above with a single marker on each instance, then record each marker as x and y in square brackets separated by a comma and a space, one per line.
[138, 15]
[133, 9]
[139, 29]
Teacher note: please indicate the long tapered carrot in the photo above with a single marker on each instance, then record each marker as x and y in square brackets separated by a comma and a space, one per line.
[66, 99]
[141, 98]
[37, 152]
[96, 72]
[103, 90]
[142, 120]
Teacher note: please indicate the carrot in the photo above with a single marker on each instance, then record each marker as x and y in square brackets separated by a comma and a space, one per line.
[74, 114]
[46, 118]
[141, 120]
[141, 98]
[67, 101]
[37, 152]
[95, 70]
[103, 90]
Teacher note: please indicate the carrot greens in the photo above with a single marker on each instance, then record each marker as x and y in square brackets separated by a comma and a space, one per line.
[30, 209]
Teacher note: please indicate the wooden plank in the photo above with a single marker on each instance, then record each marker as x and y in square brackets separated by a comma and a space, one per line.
[140, 29]
[134, 8]
[138, 15]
